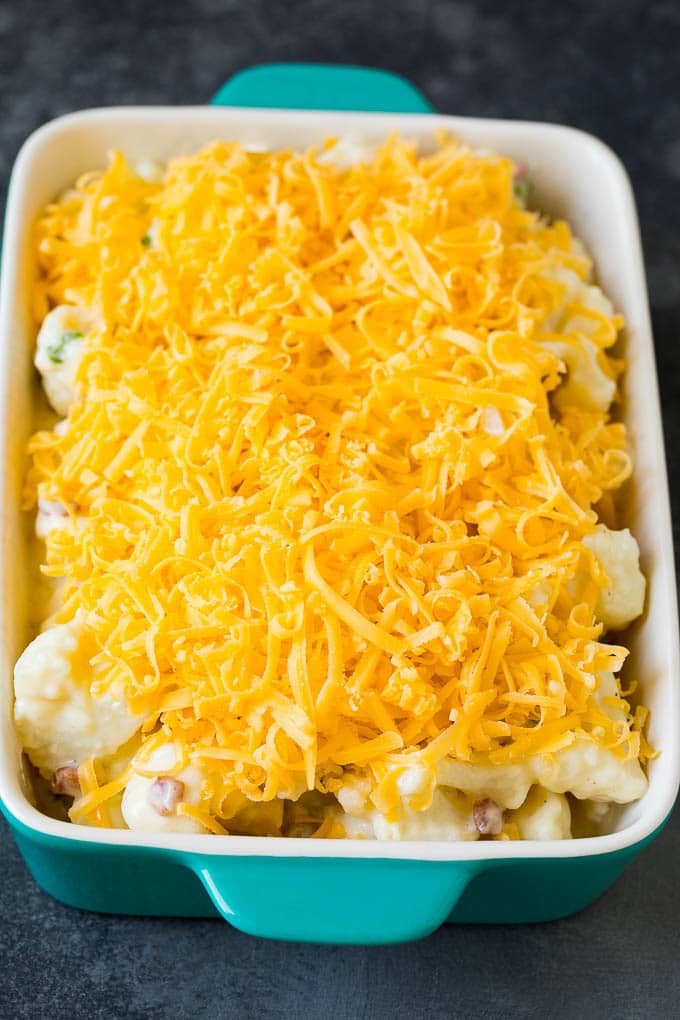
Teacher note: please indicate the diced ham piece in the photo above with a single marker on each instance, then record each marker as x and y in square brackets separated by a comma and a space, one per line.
[65, 781]
[488, 817]
[165, 793]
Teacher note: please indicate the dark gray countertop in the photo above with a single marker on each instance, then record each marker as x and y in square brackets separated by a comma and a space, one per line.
[611, 69]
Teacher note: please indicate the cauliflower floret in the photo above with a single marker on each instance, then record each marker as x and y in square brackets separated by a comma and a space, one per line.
[57, 717]
[59, 349]
[591, 772]
[51, 514]
[492, 423]
[150, 170]
[413, 781]
[595, 300]
[543, 815]
[576, 291]
[355, 827]
[140, 795]
[623, 600]
[540, 594]
[445, 819]
[583, 769]
[587, 384]
[353, 795]
[346, 152]
[508, 785]
[449, 818]
[608, 691]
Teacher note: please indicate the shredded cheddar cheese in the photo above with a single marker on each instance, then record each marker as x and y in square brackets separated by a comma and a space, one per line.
[314, 475]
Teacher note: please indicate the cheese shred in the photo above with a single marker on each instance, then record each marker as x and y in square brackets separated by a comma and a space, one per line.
[317, 476]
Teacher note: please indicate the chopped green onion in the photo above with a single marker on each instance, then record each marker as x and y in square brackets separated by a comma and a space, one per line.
[146, 240]
[523, 189]
[57, 351]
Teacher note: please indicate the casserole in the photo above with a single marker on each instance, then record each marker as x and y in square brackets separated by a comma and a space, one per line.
[357, 891]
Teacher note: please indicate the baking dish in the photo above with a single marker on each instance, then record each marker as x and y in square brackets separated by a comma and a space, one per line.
[328, 890]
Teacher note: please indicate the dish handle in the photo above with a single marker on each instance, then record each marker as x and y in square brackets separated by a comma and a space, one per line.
[321, 87]
[359, 901]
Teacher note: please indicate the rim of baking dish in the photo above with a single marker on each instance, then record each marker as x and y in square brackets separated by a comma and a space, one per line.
[653, 815]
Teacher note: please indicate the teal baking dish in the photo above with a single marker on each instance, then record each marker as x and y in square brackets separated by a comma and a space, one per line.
[342, 891]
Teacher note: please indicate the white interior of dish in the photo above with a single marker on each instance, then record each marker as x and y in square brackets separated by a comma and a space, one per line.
[576, 177]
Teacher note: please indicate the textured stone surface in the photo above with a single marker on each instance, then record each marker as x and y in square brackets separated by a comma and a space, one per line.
[608, 68]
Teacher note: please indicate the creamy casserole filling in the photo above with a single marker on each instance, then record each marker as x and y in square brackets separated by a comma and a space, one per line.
[330, 507]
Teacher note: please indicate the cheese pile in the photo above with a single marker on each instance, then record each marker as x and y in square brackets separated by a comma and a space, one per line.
[326, 516]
